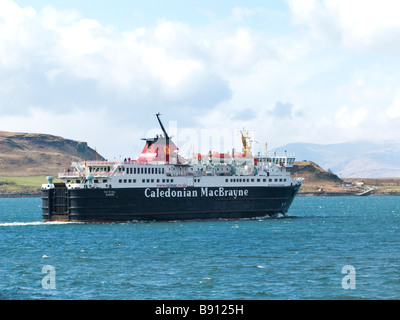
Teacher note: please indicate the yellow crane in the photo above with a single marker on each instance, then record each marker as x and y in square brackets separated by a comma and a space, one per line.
[246, 143]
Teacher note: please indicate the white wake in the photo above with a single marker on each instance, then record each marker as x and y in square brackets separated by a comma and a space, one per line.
[31, 223]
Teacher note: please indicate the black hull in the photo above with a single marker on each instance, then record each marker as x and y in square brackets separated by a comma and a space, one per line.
[130, 204]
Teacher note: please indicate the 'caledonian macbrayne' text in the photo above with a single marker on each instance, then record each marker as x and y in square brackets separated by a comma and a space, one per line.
[204, 192]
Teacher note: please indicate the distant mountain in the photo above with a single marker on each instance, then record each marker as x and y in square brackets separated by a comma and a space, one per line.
[360, 159]
[24, 154]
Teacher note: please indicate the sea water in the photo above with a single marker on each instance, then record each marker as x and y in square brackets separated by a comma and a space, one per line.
[325, 248]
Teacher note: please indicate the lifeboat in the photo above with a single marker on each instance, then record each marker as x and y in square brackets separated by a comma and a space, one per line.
[242, 158]
[216, 157]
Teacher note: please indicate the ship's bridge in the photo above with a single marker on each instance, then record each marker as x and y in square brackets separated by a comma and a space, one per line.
[283, 161]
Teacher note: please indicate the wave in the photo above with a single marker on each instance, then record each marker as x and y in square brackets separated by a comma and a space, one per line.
[32, 223]
[274, 216]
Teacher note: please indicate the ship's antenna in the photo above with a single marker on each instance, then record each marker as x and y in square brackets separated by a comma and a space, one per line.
[162, 127]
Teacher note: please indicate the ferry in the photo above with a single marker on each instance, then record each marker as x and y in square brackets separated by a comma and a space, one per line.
[162, 185]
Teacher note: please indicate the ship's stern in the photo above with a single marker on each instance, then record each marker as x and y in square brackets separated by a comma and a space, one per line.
[55, 202]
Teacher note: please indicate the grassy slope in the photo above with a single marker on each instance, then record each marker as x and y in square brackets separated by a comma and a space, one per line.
[28, 184]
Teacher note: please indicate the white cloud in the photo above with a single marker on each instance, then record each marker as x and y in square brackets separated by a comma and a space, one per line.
[235, 53]
[352, 23]
[240, 13]
[394, 110]
[163, 64]
[348, 118]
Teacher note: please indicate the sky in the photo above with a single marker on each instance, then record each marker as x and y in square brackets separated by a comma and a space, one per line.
[318, 71]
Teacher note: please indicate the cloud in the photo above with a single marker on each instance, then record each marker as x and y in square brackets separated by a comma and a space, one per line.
[394, 110]
[351, 23]
[60, 60]
[241, 13]
[282, 110]
[348, 118]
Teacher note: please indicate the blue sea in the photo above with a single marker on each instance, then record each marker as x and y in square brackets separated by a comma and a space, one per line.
[325, 248]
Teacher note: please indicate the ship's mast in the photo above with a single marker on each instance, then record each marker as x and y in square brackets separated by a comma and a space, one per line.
[161, 125]
[166, 137]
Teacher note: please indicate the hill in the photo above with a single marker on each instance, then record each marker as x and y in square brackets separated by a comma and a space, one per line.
[313, 173]
[353, 159]
[316, 179]
[29, 154]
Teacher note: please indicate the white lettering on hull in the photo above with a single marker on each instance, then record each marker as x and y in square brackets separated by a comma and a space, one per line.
[205, 192]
